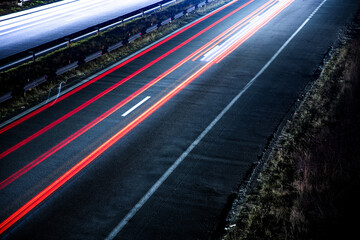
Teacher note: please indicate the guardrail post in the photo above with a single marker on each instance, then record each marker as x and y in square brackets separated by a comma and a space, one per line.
[68, 42]
[121, 21]
[33, 55]
[97, 31]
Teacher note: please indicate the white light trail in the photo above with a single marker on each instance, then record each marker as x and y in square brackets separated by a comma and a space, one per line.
[172, 168]
[253, 24]
[81, 10]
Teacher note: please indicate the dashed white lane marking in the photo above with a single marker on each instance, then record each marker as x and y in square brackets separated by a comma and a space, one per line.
[172, 168]
[136, 106]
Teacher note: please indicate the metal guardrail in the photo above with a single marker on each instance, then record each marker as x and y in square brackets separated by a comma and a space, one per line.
[150, 29]
[99, 53]
[134, 37]
[190, 9]
[201, 4]
[178, 15]
[35, 83]
[115, 46]
[166, 21]
[5, 97]
[67, 68]
[43, 49]
[93, 56]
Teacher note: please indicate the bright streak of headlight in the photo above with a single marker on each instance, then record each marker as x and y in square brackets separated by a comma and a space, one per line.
[110, 142]
[75, 10]
[253, 24]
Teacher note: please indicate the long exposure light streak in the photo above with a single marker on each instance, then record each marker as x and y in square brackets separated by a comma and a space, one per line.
[12, 25]
[253, 31]
[61, 98]
[13, 218]
[211, 44]
[97, 120]
[90, 101]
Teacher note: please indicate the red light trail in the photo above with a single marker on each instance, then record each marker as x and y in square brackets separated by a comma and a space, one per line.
[7, 223]
[46, 106]
[88, 126]
[90, 101]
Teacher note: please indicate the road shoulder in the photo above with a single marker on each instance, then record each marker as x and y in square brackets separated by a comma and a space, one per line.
[306, 187]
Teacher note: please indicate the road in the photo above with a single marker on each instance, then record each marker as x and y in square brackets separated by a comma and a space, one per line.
[152, 147]
[41, 25]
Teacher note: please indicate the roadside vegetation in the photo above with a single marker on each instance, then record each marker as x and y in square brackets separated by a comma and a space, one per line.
[309, 187]
[7, 7]
[16, 78]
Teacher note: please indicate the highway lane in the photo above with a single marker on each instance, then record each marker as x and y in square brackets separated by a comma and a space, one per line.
[19, 33]
[195, 193]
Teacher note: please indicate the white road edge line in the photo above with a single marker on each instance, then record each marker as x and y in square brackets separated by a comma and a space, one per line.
[136, 106]
[171, 169]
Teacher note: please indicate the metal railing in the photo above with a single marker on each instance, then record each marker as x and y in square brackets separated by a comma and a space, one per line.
[33, 53]
[94, 55]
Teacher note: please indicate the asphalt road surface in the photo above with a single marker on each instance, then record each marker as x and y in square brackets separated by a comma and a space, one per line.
[152, 148]
[38, 26]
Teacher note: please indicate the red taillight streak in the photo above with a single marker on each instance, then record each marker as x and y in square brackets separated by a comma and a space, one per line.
[37, 111]
[87, 160]
[78, 133]
[87, 103]
[207, 47]
[72, 137]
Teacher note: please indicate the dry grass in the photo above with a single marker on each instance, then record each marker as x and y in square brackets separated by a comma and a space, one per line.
[308, 189]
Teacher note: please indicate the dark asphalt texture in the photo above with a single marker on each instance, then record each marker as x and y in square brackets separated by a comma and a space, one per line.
[188, 205]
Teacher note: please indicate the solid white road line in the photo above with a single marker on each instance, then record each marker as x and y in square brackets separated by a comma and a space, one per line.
[172, 168]
[136, 106]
